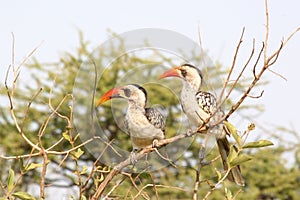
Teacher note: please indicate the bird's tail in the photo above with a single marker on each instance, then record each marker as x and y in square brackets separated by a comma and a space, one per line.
[235, 173]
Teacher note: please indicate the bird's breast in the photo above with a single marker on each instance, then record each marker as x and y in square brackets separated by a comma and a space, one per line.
[140, 127]
[190, 106]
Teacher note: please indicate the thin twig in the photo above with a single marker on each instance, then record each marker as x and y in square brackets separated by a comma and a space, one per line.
[232, 65]
[266, 33]
[198, 171]
[239, 76]
[217, 184]
[164, 158]
[162, 186]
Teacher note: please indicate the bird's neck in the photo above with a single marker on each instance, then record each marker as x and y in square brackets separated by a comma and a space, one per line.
[191, 87]
[133, 105]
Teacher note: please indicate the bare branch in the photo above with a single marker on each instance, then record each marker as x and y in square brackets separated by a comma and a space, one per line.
[232, 65]
[162, 186]
[256, 97]
[267, 32]
[277, 74]
[240, 75]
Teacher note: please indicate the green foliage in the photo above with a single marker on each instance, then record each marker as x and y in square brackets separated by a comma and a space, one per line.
[258, 144]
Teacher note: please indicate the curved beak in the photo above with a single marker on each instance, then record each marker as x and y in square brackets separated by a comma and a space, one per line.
[113, 93]
[173, 72]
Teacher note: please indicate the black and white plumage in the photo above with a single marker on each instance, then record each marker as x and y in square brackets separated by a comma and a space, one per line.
[144, 125]
[199, 106]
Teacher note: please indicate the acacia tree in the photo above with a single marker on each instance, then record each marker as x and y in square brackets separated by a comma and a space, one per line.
[42, 146]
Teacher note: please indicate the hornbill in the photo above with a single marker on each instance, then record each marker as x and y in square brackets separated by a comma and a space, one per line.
[145, 125]
[199, 106]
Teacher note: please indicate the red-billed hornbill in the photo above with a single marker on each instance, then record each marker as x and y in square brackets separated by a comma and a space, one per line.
[145, 125]
[199, 106]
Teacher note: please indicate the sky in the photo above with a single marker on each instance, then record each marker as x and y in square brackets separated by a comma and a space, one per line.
[56, 23]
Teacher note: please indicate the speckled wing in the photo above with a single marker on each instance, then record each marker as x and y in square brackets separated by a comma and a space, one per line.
[126, 127]
[207, 102]
[156, 118]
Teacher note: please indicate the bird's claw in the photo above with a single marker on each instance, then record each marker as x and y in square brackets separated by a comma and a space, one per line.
[189, 132]
[155, 143]
[133, 158]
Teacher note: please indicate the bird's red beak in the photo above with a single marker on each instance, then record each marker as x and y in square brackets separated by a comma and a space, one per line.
[173, 72]
[108, 95]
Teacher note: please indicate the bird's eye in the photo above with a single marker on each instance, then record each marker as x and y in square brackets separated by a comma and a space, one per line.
[183, 72]
[127, 92]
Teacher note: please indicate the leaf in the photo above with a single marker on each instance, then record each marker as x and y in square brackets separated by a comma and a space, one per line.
[84, 170]
[233, 132]
[258, 144]
[78, 153]
[98, 179]
[66, 136]
[23, 196]
[239, 159]
[32, 166]
[21, 162]
[10, 180]
[218, 174]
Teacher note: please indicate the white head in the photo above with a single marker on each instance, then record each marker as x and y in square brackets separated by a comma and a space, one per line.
[133, 93]
[187, 72]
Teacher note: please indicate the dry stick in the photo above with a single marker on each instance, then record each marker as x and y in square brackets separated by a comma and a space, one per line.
[162, 186]
[10, 97]
[217, 184]
[55, 110]
[200, 166]
[154, 187]
[284, 43]
[48, 151]
[232, 65]
[13, 53]
[95, 165]
[16, 73]
[269, 61]
[267, 32]
[134, 184]
[240, 74]
[44, 171]
[164, 158]
[253, 83]
[114, 187]
[133, 181]
[197, 181]
[237, 193]
[44, 167]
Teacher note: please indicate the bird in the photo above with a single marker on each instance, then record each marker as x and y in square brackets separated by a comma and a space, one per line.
[145, 125]
[200, 106]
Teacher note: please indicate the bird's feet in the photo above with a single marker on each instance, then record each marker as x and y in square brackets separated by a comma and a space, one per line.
[133, 158]
[189, 132]
[155, 143]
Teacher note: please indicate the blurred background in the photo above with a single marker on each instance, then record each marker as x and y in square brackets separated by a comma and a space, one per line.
[70, 31]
